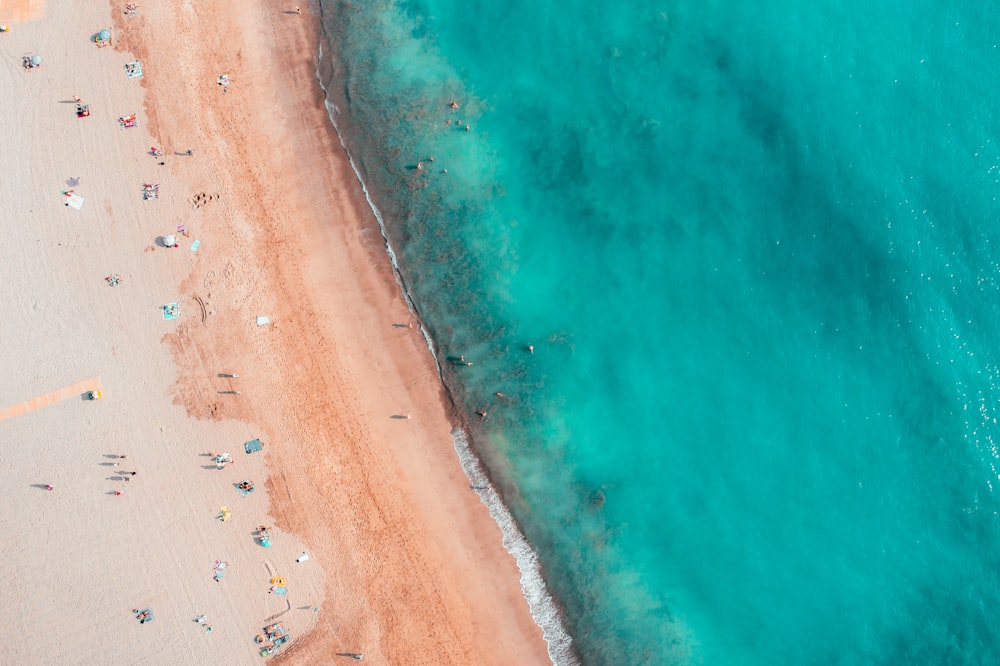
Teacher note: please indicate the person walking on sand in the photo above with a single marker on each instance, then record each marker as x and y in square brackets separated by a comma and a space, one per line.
[298, 10]
[76, 98]
[49, 487]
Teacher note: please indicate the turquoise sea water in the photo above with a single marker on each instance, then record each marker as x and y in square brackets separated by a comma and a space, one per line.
[755, 249]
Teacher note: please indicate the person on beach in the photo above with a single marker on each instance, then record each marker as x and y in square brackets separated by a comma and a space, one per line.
[298, 10]
[118, 493]
[190, 152]
[453, 104]
[76, 98]
[482, 414]
[531, 349]
[48, 487]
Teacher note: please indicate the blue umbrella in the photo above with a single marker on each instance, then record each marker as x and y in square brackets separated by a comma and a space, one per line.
[36, 60]
[104, 35]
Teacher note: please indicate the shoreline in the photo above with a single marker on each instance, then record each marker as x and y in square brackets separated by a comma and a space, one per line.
[545, 609]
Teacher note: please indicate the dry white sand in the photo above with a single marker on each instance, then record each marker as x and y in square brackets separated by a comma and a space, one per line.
[78, 558]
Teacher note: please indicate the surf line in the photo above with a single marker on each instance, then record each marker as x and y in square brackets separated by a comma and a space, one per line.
[542, 606]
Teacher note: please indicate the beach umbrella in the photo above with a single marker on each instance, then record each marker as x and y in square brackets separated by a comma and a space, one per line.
[36, 60]
[170, 240]
[104, 35]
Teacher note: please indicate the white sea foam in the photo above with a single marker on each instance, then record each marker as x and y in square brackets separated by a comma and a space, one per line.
[543, 607]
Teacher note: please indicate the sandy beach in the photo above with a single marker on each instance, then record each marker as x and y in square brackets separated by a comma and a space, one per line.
[358, 469]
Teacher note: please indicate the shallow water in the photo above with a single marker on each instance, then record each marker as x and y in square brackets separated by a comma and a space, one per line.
[753, 248]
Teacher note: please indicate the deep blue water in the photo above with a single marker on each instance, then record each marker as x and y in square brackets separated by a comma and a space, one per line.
[754, 249]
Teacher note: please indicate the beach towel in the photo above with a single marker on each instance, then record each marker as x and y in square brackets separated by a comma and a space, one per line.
[133, 69]
[74, 200]
[195, 245]
[263, 321]
[125, 122]
[171, 310]
[150, 191]
[253, 446]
